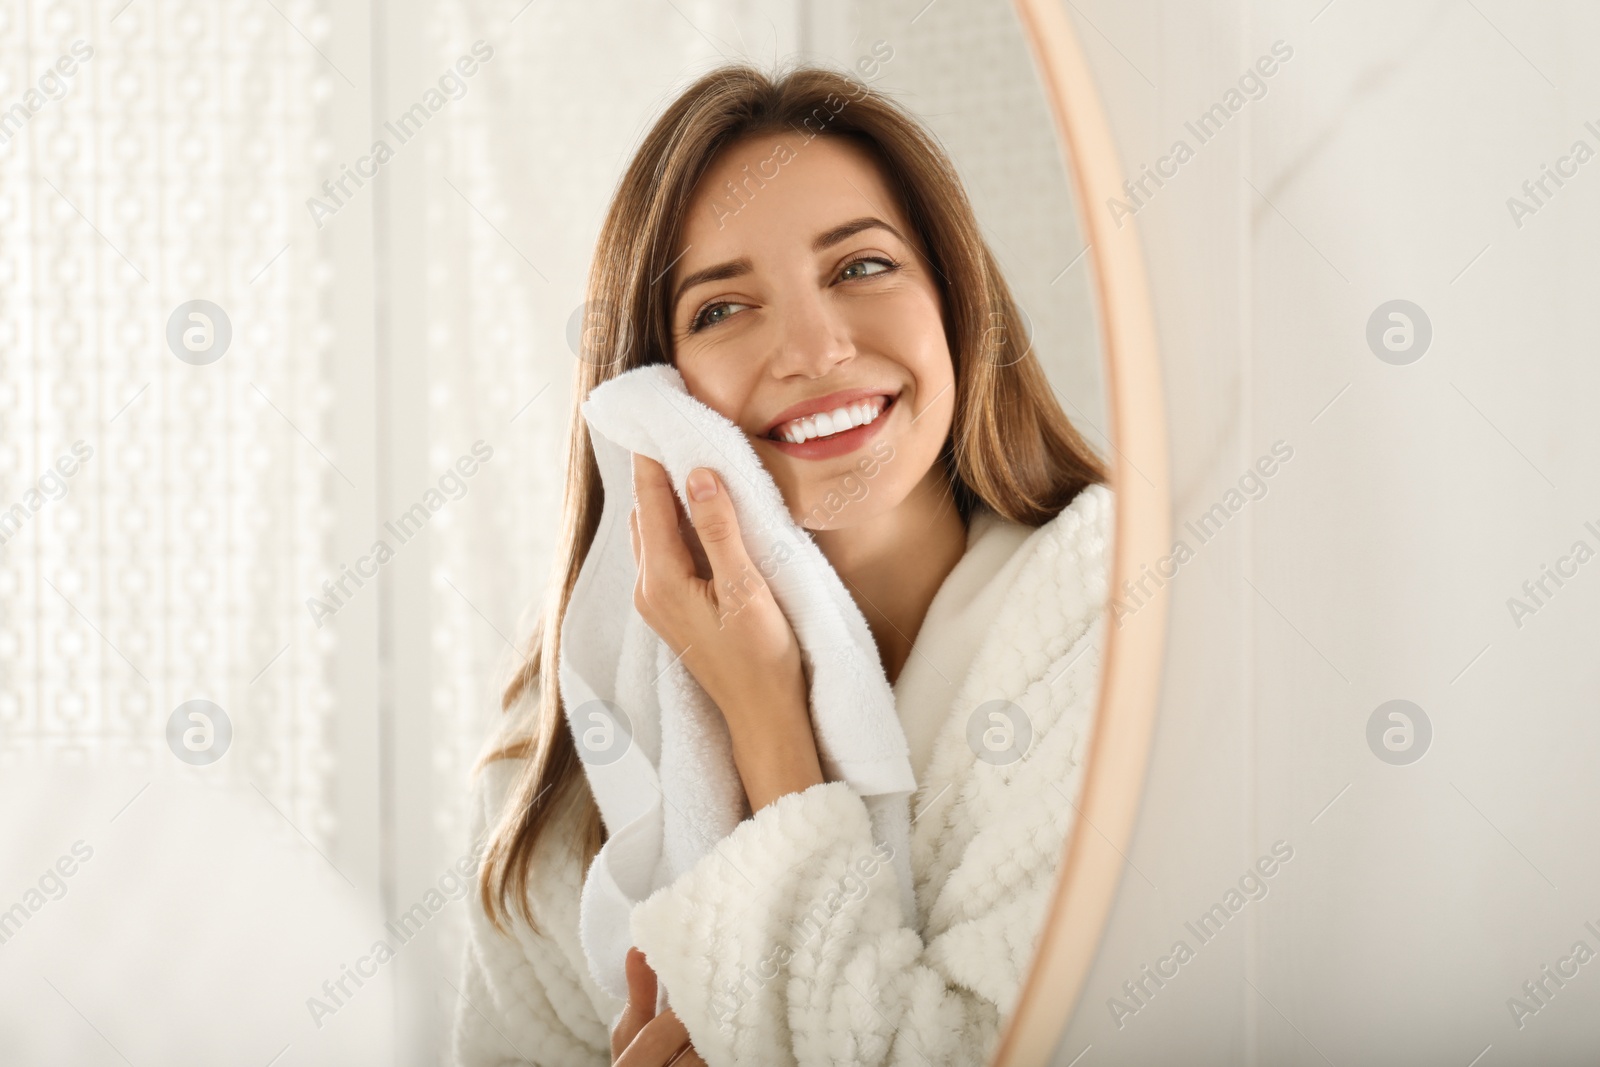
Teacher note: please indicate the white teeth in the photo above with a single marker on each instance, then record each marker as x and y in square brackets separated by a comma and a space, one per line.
[826, 424]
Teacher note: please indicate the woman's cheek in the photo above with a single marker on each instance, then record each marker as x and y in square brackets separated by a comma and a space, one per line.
[713, 386]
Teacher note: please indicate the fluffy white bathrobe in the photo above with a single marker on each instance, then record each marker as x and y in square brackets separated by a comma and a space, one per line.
[786, 944]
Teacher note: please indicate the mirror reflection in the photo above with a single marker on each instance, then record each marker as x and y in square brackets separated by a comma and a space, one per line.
[792, 755]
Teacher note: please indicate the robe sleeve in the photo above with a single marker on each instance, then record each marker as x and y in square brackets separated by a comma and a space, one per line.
[521, 998]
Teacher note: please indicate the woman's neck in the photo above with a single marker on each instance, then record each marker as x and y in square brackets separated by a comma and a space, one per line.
[894, 563]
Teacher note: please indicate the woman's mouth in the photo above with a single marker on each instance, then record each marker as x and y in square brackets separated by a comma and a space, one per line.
[832, 433]
[829, 423]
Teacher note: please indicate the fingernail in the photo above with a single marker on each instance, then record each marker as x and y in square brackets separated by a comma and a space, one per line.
[702, 484]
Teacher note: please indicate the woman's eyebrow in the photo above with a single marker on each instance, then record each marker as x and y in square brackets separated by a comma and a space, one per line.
[829, 238]
[721, 272]
[735, 268]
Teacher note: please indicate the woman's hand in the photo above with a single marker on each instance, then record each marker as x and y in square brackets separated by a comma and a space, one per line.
[642, 1038]
[731, 633]
[701, 593]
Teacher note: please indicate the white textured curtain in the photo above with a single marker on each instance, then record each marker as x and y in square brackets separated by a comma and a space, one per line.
[149, 158]
[161, 505]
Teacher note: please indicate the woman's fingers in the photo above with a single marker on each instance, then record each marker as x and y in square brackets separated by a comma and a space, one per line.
[641, 1007]
[716, 523]
[663, 1040]
[687, 1058]
[686, 530]
[642, 1038]
[666, 557]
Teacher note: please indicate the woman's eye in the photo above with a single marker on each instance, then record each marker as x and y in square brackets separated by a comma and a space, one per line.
[858, 269]
[711, 315]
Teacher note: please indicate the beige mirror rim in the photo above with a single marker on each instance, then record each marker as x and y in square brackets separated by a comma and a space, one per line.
[1119, 747]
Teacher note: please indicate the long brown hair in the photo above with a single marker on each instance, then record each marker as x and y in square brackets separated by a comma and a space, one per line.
[1011, 447]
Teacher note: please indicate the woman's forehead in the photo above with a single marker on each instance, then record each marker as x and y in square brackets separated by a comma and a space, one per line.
[767, 192]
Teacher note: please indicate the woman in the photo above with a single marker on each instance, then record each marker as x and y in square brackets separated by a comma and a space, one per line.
[804, 254]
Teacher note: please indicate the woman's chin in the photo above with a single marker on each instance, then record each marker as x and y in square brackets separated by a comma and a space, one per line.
[832, 509]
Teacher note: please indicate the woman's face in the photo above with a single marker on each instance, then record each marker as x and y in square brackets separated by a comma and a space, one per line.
[798, 290]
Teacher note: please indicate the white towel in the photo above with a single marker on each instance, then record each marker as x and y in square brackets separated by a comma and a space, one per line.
[662, 772]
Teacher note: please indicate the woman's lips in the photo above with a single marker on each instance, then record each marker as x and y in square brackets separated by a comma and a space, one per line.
[838, 444]
[843, 398]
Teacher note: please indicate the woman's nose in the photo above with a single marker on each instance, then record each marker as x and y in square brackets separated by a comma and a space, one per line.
[812, 340]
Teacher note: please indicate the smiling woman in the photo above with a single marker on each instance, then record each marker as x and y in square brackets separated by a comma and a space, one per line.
[850, 320]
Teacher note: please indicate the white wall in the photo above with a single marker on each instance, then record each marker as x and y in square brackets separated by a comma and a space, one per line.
[1378, 566]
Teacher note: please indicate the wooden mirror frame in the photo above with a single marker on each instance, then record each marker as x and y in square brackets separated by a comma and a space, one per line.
[1119, 745]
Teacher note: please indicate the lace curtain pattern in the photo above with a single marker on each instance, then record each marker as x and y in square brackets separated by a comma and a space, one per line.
[149, 156]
